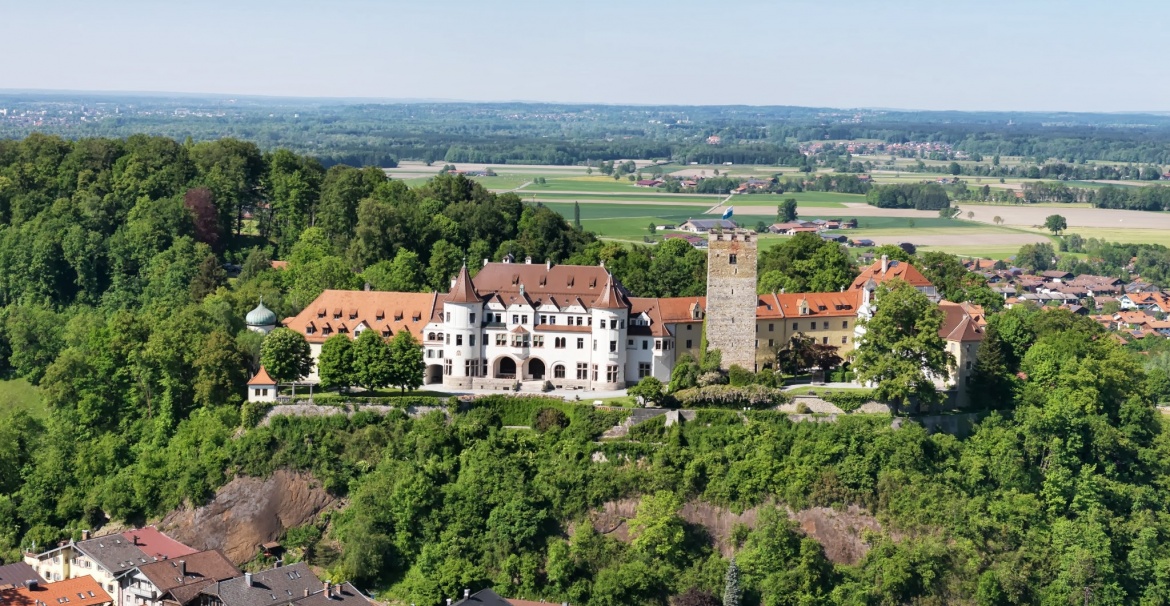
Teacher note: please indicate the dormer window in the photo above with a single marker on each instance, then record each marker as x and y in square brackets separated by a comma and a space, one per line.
[378, 315]
[320, 312]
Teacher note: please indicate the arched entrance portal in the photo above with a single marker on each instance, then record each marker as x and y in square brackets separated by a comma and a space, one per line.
[536, 368]
[434, 374]
[505, 368]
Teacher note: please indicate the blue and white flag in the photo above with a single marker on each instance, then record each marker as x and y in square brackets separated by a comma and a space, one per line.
[727, 213]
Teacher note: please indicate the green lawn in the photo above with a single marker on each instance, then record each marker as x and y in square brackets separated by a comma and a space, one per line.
[18, 394]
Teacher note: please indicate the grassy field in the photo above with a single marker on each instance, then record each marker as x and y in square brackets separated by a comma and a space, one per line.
[620, 198]
[809, 199]
[18, 394]
[587, 184]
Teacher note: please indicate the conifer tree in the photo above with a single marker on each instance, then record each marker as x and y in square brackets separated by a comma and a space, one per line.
[731, 590]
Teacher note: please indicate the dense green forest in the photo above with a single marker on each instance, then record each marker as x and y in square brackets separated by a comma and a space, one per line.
[368, 133]
[114, 279]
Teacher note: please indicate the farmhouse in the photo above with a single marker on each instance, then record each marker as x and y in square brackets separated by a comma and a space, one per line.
[702, 226]
[106, 558]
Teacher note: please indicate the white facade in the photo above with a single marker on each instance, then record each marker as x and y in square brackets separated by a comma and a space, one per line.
[495, 346]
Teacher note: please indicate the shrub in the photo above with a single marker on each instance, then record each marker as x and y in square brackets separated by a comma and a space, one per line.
[802, 408]
[727, 396]
[712, 378]
[251, 413]
[549, 418]
[847, 401]
[653, 430]
[738, 376]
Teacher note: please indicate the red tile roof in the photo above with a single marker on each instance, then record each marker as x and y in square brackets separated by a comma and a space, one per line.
[156, 544]
[464, 289]
[894, 269]
[819, 304]
[958, 325]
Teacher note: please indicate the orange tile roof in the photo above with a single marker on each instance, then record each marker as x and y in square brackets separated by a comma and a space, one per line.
[70, 592]
[382, 311]
[676, 310]
[894, 269]
[261, 378]
[1133, 317]
[819, 304]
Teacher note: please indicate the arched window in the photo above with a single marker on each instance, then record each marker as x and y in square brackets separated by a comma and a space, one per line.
[430, 336]
[559, 371]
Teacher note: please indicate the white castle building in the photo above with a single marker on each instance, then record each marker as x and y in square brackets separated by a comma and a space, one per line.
[571, 326]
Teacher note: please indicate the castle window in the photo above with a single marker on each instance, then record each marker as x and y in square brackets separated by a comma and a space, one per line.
[580, 343]
[796, 326]
[582, 371]
[845, 324]
[544, 319]
[824, 340]
[611, 373]
[643, 370]
[731, 259]
[515, 318]
[657, 344]
[826, 325]
[771, 327]
[603, 322]
[471, 318]
[447, 367]
[559, 343]
[471, 340]
[501, 340]
[622, 323]
[559, 371]
[448, 316]
[459, 339]
[844, 340]
[688, 343]
[538, 341]
[771, 342]
[612, 346]
[645, 344]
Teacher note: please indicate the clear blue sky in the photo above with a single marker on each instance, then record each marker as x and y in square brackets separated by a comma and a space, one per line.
[985, 54]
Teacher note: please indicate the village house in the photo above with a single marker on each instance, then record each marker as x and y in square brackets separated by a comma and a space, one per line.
[106, 558]
[78, 591]
[1146, 301]
[177, 581]
[281, 585]
[702, 226]
[17, 574]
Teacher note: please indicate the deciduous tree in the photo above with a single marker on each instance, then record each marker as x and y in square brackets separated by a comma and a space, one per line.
[286, 356]
[900, 349]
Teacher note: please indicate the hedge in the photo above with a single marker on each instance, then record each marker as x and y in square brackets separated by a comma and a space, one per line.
[522, 411]
[336, 399]
[728, 396]
[847, 401]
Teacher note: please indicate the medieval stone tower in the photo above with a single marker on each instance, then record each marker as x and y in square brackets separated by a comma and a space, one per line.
[731, 296]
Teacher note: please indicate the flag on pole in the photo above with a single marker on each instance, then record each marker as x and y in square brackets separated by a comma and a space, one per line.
[730, 211]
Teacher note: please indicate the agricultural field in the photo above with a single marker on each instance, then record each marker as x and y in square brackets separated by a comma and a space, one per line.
[809, 199]
[696, 200]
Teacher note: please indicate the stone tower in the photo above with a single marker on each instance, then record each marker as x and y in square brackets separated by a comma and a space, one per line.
[731, 296]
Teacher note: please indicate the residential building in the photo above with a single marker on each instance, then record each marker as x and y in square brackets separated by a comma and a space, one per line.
[963, 334]
[175, 582]
[702, 226]
[106, 558]
[18, 574]
[487, 597]
[79, 591]
[886, 269]
[280, 585]
[344, 594]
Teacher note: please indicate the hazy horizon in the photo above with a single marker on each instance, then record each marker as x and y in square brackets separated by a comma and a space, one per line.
[1037, 56]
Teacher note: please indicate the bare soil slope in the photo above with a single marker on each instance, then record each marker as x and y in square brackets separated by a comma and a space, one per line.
[248, 512]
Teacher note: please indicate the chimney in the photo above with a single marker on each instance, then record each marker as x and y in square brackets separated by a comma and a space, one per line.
[528, 260]
[134, 539]
[278, 563]
[85, 535]
[327, 585]
[485, 261]
[306, 592]
[182, 568]
[547, 264]
[466, 593]
[367, 287]
[248, 579]
[448, 601]
[885, 263]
